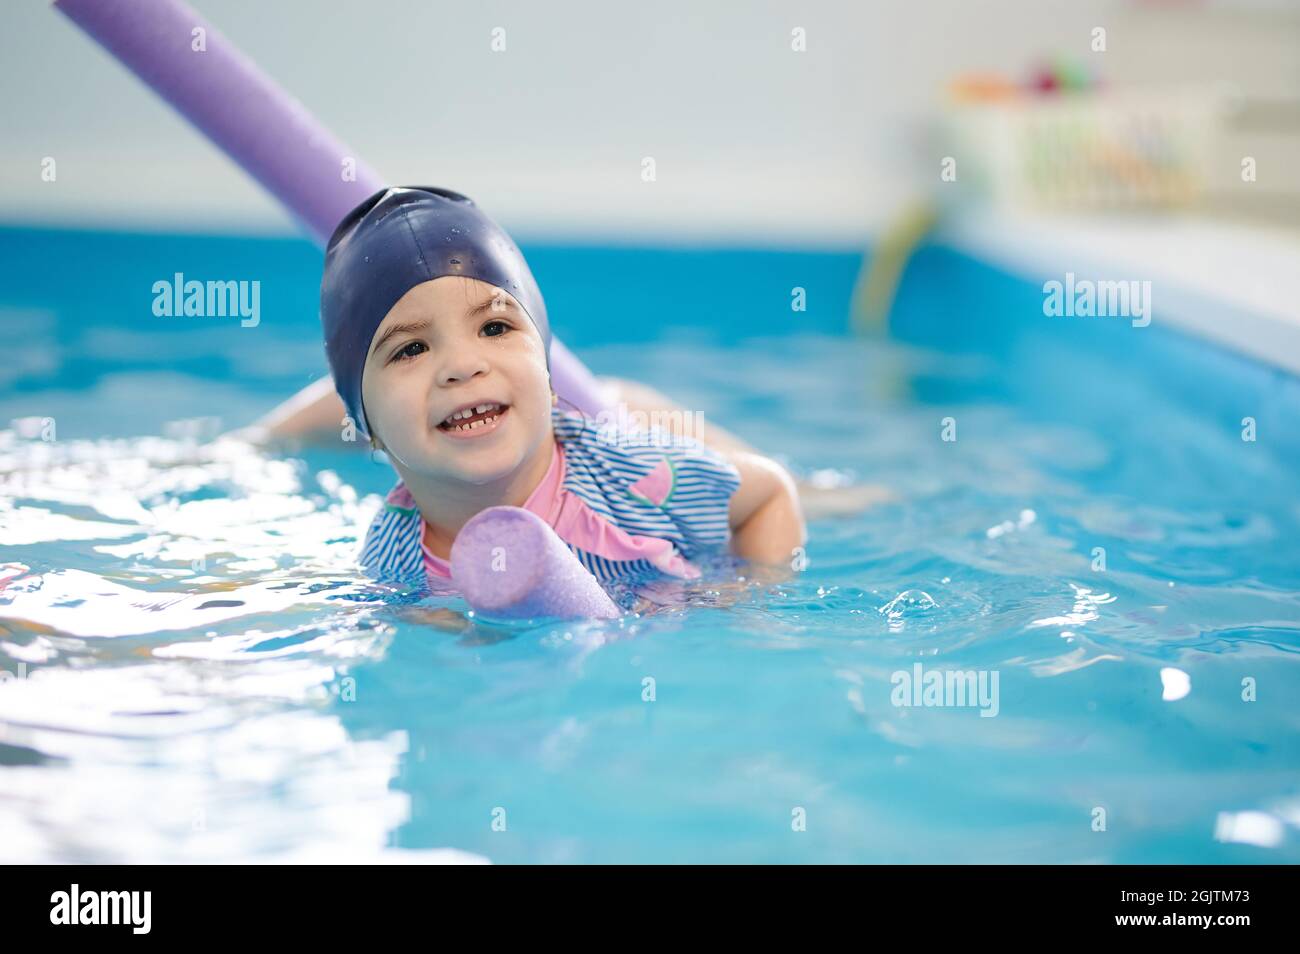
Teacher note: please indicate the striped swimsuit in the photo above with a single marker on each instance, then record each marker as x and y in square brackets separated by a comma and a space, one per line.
[630, 505]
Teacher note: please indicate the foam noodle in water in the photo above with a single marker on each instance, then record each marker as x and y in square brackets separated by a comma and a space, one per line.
[510, 564]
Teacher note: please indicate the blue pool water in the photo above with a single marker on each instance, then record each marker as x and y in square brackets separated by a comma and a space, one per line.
[197, 673]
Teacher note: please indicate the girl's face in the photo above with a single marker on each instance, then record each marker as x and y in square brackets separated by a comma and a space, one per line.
[446, 344]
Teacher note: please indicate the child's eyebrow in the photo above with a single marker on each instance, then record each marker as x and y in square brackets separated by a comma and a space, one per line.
[422, 324]
[491, 304]
[401, 328]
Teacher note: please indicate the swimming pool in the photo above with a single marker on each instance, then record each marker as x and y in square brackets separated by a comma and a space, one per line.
[195, 673]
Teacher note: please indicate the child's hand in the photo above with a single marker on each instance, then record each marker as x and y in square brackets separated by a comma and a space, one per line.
[820, 503]
[313, 414]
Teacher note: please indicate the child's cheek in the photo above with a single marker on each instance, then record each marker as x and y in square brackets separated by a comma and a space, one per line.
[397, 407]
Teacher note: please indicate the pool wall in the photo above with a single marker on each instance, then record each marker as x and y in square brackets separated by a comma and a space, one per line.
[955, 302]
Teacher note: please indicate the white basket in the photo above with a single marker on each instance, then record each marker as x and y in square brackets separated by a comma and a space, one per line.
[1084, 150]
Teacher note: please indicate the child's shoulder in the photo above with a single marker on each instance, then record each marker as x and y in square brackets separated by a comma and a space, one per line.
[612, 437]
[400, 501]
[391, 548]
[643, 468]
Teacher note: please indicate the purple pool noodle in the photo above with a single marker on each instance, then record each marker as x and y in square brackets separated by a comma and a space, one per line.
[573, 382]
[510, 564]
[264, 129]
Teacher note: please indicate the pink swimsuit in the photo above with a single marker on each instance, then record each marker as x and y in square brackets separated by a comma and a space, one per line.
[628, 503]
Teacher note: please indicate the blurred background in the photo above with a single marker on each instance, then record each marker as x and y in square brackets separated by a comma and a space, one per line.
[751, 139]
[1145, 140]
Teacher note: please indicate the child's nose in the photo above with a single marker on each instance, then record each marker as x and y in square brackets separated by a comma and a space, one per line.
[462, 367]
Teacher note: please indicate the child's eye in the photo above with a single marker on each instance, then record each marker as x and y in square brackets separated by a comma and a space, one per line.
[504, 327]
[405, 353]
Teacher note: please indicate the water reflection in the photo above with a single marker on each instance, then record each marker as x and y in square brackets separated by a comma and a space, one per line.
[173, 696]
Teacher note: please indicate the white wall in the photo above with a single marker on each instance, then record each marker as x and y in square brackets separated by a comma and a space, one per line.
[751, 140]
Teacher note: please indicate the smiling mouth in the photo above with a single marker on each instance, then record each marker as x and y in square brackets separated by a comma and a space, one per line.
[473, 419]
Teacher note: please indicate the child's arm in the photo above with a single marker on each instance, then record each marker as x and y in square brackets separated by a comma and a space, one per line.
[636, 396]
[312, 413]
[317, 409]
[816, 502]
[767, 521]
[766, 518]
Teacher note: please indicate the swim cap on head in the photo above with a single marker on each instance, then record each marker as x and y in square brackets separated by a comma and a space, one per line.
[398, 238]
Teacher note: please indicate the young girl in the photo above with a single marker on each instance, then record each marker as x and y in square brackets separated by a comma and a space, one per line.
[438, 341]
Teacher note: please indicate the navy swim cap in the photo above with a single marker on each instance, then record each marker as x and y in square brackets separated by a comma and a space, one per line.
[398, 238]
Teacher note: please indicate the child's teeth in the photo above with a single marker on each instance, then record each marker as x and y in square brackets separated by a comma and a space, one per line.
[468, 413]
[475, 424]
